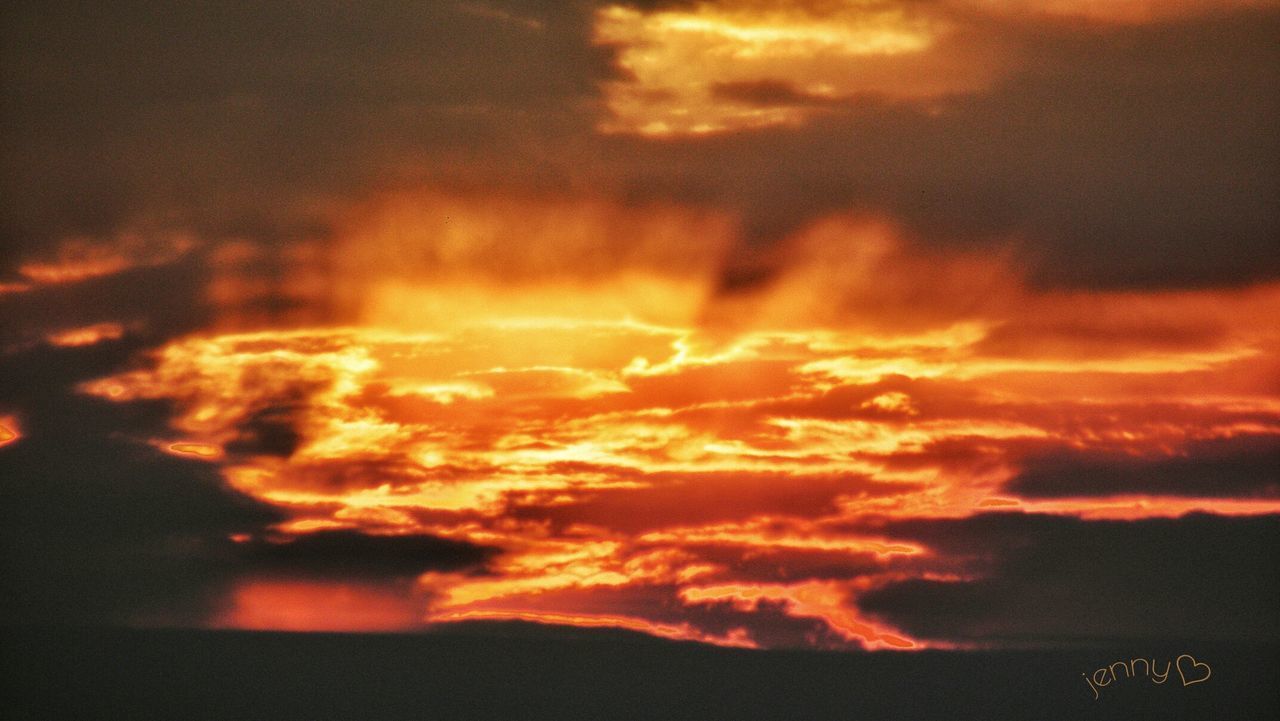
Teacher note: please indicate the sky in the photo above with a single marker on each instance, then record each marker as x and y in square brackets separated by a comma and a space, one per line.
[839, 324]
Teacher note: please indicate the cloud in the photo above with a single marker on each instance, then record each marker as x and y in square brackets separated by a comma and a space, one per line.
[189, 118]
[676, 62]
[663, 499]
[1242, 466]
[381, 290]
[352, 554]
[271, 431]
[99, 527]
[1112, 156]
[127, 299]
[1090, 154]
[87, 335]
[307, 605]
[767, 92]
[1037, 578]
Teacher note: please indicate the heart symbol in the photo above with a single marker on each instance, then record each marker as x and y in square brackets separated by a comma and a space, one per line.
[1194, 665]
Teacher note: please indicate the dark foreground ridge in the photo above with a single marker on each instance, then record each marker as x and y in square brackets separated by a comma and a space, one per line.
[509, 672]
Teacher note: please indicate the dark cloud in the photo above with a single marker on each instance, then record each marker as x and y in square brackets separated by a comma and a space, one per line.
[96, 525]
[772, 564]
[272, 431]
[101, 528]
[228, 118]
[1049, 578]
[356, 472]
[156, 303]
[352, 554]
[1131, 156]
[1038, 337]
[767, 620]
[1245, 466]
[767, 93]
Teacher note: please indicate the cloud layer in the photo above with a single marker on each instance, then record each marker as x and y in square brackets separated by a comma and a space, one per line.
[866, 324]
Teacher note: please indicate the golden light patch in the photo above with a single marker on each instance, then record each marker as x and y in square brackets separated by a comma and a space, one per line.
[88, 335]
[79, 259]
[433, 261]
[205, 451]
[294, 605]
[9, 432]
[9, 288]
[715, 67]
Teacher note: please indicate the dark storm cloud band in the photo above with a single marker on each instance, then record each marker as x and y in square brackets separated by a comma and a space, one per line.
[1118, 157]
[1044, 577]
[1244, 467]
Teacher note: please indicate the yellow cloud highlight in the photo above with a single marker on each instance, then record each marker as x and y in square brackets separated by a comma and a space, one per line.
[199, 450]
[713, 67]
[87, 335]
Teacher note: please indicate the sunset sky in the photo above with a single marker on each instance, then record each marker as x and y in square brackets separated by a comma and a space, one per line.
[842, 324]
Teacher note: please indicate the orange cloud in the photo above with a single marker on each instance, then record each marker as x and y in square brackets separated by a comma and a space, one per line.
[293, 605]
[427, 260]
[88, 335]
[9, 431]
[1115, 11]
[680, 461]
[199, 450]
[79, 259]
[713, 67]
